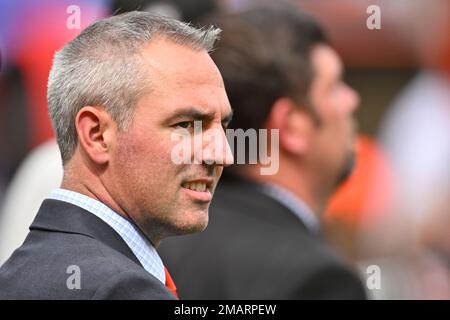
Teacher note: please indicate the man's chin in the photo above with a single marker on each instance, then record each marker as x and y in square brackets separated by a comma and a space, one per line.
[194, 228]
[197, 223]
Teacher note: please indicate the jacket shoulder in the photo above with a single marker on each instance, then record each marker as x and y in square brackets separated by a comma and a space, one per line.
[131, 285]
[54, 265]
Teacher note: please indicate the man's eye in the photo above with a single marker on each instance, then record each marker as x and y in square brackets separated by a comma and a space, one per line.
[185, 124]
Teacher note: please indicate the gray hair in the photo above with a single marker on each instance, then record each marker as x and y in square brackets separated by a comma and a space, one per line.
[102, 66]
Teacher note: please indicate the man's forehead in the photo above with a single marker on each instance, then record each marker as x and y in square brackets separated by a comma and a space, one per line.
[171, 62]
[182, 77]
[203, 100]
[171, 97]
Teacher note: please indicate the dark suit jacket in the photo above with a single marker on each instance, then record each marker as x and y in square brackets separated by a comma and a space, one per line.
[64, 235]
[255, 248]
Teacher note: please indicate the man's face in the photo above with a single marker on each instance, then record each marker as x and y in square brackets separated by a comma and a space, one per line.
[332, 151]
[164, 198]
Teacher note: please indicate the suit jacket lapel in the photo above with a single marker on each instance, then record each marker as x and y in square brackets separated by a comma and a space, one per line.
[60, 216]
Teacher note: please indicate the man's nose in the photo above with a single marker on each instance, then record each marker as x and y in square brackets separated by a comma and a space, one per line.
[216, 149]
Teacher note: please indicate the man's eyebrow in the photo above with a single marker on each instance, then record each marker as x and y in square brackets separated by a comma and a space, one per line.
[191, 113]
[197, 115]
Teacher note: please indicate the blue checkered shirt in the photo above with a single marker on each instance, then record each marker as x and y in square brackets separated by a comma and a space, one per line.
[144, 251]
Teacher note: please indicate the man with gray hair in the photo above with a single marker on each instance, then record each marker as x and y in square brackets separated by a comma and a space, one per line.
[117, 93]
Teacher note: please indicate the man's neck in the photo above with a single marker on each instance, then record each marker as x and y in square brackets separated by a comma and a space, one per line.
[297, 182]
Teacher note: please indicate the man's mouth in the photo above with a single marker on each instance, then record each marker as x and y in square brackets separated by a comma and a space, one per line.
[200, 189]
[196, 186]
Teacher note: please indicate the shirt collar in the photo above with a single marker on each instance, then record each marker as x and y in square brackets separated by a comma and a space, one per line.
[141, 247]
[293, 203]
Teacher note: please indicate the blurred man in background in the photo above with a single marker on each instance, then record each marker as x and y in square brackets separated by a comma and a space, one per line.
[264, 238]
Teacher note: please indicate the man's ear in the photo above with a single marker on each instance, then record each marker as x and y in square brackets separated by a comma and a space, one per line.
[295, 125]
[96, 130]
